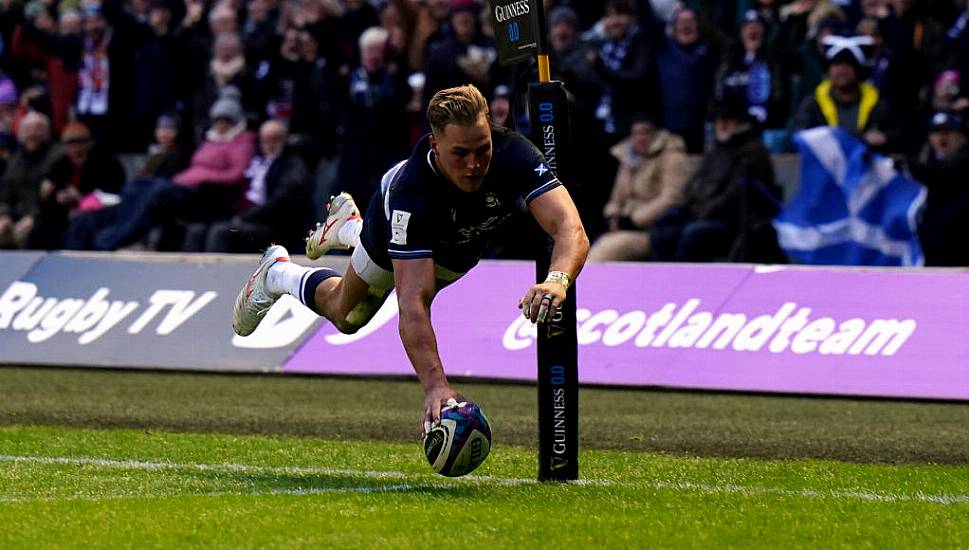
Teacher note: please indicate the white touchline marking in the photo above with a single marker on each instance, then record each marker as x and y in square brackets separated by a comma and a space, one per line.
[296, 491]
[225, 467]
[713, 489]
[729, 488]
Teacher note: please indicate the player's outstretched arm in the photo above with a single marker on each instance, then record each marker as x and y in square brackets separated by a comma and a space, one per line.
[556, 214]
[415, 283]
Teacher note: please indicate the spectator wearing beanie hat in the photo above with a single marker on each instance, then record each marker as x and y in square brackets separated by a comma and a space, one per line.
[227, 109]
[169, 154]
[216, 174]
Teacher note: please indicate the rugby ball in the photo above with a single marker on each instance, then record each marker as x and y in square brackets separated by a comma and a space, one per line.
[461, 442]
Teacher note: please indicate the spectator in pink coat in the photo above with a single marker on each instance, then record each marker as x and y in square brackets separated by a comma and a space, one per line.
[222, 158]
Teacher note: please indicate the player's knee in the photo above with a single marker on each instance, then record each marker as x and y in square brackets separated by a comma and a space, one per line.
[349, 322]
[348, 327]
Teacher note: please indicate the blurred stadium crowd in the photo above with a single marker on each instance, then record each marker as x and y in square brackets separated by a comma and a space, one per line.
[222, 125]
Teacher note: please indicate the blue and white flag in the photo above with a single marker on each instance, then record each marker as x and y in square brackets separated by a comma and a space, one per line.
[852, 208]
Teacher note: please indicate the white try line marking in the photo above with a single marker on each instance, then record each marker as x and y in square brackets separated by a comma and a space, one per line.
[378, 475]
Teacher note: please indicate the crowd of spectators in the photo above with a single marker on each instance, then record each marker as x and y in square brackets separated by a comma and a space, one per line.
[243, 115]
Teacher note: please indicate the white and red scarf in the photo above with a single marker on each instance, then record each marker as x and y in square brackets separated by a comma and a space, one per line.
[94, 78]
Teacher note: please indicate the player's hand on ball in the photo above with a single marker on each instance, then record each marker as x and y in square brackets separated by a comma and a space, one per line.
[434, 400]
[462, 440]
[542, 301]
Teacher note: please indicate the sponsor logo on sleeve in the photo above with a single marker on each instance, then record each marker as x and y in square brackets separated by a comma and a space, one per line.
[398, 226]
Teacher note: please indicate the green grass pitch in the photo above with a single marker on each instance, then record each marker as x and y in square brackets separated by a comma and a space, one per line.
[117, 459]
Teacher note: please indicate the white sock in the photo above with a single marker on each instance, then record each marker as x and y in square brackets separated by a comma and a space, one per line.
[287, 277]
[349, 234]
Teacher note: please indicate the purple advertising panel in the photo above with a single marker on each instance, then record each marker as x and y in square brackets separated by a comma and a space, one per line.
[125, 310]
[890, 333]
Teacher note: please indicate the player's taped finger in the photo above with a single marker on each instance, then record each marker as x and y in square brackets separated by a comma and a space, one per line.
[543, 308]
[532, 305]
[538, 302]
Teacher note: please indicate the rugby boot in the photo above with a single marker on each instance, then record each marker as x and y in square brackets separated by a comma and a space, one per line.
[325, 237]
[254, 300]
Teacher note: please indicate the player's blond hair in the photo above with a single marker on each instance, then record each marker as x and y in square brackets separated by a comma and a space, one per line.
[463, 106]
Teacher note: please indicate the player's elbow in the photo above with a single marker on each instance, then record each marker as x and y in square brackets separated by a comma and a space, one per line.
[583, 241]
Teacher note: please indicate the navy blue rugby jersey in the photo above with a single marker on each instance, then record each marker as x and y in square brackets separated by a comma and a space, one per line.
[417, 213]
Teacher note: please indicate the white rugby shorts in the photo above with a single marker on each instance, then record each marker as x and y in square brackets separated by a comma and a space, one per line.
[381, 279]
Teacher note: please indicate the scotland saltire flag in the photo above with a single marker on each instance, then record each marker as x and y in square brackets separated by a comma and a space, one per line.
[852, 208]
